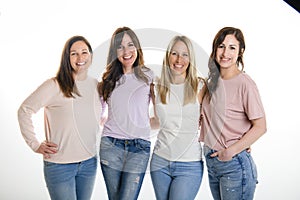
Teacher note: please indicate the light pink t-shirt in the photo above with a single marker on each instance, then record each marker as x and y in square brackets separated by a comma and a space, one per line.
[71, 123]
[128, 108]
[226, 118]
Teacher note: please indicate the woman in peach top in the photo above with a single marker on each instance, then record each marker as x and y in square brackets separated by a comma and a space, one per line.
[71, 114]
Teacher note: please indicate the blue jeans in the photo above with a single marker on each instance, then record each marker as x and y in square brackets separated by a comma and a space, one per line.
[123, 164]
[175, 180]
[72, 181]
[231, 180]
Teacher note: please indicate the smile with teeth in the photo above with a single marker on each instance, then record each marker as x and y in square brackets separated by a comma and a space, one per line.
[80, 63]
[127, 57]
[177, 66]
[225, 59]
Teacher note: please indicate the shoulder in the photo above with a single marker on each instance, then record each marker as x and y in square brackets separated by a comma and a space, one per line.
[50, 83]
[92, 80]
[246, 79]
[148, 71]
[247, 84]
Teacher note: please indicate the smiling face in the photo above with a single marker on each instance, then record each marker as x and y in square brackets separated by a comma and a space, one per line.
[227, 52]
[80, 57]
[127, 53]
[179, 59]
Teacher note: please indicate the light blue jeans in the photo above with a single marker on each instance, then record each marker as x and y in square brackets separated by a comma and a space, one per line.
[175, 180]
[73, 181]
[123, 164]
[231, 180]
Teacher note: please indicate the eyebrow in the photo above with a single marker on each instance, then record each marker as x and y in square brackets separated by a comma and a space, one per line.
[230, 45]
[75, 50]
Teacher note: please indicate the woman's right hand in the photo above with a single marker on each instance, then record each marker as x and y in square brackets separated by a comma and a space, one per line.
[47, 148]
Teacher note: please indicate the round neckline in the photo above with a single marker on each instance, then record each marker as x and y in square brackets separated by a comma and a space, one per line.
[232, 78]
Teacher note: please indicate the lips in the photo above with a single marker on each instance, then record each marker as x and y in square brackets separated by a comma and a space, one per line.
[225, 59]
[127, 57]
[80, 63]
[178, 66]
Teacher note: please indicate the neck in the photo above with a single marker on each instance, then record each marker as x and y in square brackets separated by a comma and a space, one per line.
[229, 73]
[178, 79]
[127, 70]
[81, 75]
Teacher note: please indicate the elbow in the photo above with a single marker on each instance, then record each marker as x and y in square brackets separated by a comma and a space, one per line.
[154, 123]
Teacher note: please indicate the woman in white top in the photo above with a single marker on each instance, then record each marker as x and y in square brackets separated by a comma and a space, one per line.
[71, 115]
[176, 164]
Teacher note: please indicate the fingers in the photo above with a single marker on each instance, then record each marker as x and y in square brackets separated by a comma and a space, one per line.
[214, 154]
[47, 148]
[248, 149]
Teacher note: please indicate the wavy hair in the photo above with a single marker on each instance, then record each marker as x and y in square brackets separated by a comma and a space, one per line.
[213, 66]
[114, 70]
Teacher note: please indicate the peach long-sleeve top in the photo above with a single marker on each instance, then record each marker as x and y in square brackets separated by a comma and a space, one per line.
[71, 123]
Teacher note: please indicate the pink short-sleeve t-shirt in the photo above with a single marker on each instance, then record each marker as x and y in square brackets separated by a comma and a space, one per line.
[226, 117]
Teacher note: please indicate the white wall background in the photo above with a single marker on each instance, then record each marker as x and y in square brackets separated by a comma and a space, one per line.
[32, 35]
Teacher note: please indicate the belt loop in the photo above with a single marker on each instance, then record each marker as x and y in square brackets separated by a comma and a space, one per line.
[114, 140]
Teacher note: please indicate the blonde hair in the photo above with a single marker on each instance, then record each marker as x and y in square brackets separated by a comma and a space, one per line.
[191, 80]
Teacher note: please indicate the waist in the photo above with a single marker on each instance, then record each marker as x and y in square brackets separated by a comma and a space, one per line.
[127, 141]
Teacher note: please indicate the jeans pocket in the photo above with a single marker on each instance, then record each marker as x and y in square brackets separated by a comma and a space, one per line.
[106, 143]
[226, 161]
[143, 145]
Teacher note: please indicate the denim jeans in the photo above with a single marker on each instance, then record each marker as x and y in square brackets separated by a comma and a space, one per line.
[123, 164]
[231, 180]
[73, 181]
[175, 180]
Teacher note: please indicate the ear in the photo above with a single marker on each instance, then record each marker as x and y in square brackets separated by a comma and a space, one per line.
[242, 51]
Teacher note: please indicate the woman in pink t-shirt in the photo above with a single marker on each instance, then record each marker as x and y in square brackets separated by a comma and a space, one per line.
[233, 119]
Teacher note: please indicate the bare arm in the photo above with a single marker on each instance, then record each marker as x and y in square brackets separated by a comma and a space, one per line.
[257, 130]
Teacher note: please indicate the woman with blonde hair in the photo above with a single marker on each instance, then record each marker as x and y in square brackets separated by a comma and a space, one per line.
[176, 164]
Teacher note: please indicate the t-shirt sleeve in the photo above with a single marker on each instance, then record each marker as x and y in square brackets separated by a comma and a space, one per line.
[252, 101]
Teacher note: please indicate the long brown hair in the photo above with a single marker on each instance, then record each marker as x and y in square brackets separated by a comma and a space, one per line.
[114, 70]
[65, 72]
[214, 67]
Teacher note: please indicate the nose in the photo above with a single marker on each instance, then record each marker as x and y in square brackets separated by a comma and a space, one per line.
[225, 51]
[179, 58]
[80, 57]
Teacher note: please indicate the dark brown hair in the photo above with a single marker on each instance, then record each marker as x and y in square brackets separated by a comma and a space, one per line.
[214, 67]
[65, 72]
[114, 70]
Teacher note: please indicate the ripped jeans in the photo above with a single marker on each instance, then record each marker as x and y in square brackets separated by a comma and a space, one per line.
[231, 180]
[123, 164]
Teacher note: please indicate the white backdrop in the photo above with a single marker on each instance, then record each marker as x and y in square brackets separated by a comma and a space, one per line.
[32, 35]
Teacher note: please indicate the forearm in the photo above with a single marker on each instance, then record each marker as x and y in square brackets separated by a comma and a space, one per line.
[255, 132]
